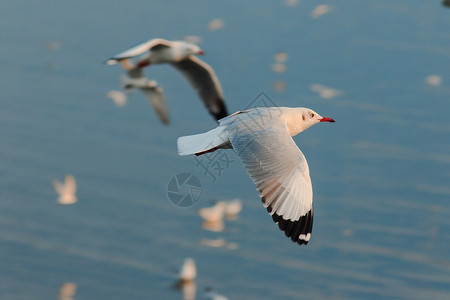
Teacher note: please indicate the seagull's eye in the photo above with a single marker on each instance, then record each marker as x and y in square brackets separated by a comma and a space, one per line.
[311, 115]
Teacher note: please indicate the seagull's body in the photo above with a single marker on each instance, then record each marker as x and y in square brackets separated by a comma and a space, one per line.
[188, 271]
[180, 54]
[262, 137]
[66, 190]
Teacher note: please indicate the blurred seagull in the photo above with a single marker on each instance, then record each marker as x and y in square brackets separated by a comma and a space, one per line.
[185, 280]
[67, 291]
[188, 271]
[233, 208]
[66, 190]
[180, 54]
[324, 91]
[150, 88]
[214, 213]
[320, 10]
[262, 137]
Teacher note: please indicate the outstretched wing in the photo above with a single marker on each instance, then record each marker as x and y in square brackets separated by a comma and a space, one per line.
[138, 50]
[155, 96]
[278, 168]
[70, 185]
[204, 80]
[59, 188]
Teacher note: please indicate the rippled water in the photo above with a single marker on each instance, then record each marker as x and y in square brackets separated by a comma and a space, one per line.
[380, 173]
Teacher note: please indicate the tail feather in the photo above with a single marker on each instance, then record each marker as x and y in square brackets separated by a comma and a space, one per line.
[202, 142]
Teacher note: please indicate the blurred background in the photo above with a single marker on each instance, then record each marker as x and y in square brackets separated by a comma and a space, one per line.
[380, 174]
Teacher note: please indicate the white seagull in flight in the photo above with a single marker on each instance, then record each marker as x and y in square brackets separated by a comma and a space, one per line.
[262, 137]
[180, 54]
[150, 88]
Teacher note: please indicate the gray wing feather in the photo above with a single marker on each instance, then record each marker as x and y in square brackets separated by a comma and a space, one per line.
[204, 80]
[155, 96]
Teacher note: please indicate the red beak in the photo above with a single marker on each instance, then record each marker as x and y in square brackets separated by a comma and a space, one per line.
[325, 119]
[200, 52]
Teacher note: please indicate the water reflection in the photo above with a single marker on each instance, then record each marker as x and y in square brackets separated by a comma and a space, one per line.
[189, 289]
[215, 243]
[215, 226]
[279, 68]
[279, 86]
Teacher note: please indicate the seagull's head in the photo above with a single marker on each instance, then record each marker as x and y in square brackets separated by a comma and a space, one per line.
[305, 118]
[190, 49]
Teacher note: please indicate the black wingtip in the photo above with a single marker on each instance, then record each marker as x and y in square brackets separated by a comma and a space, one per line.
[222, 112]
[299, 231]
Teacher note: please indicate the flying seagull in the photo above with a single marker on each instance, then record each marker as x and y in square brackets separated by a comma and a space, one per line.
[150, 88]
[262, 137]
[180, 54]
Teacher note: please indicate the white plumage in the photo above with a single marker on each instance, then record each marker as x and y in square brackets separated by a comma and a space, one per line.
[262, 138]
[188, 271]
[66, 190]
[180, 55]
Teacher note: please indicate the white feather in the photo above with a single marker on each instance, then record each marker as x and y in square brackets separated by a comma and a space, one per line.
[192, 144]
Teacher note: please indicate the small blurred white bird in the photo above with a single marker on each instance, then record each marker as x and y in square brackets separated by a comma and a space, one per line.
[188, 271]
[320, 10]
[324, 91]
[66, 190]
[67, 291]
[233, 208]
[214, 213]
